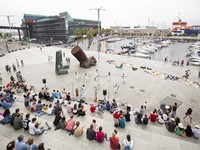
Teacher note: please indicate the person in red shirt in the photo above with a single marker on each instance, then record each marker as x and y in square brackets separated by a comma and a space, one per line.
[153, 116]
[116, 114]
[92, 108]
[100, 135]
[114, 141]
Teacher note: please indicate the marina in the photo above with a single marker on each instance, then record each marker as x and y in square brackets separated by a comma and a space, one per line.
[172, 51]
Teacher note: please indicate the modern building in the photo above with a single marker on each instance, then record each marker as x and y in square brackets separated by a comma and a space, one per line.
[140, 31]
[49, 29]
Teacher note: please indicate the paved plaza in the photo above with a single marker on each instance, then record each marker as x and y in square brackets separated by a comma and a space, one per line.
[140, 86]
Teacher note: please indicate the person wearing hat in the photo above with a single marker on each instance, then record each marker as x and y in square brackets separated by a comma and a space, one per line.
[179, 130]
[196, 132]
[171, 125]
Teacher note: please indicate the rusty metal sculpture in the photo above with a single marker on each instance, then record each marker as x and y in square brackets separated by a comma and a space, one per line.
[85, 62]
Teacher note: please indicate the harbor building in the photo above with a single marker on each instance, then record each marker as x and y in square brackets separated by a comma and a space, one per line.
[140, 31]
[50, 29]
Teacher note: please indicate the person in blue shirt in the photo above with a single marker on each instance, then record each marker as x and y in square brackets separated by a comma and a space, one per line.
[10, 98]
[54, 95]
[5, 105]
[108, 106]
[39, 106]
[7, 117]
[58, 95]
[20, 144]
[122, 122]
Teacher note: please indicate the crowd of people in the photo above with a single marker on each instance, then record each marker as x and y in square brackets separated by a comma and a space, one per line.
[167, 116]
[52, 103]
[20, 144]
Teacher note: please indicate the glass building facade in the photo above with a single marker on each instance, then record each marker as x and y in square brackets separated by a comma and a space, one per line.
[48, 29]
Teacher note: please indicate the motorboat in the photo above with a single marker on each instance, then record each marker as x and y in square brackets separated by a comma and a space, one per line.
[138, 54]
[195, 63]
[129, 46]
[113, 40]
[109, 48]
[142, 51]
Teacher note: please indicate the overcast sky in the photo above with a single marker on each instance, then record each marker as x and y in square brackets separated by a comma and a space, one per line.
[117, 12]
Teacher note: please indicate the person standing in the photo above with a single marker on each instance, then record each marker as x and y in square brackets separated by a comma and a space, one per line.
[49, 59]
[12, 78]
[22, 63]
[97, 72]
[83, 92]
[14, 67]
[174, 108]
[116, 87]
[90, 72]
[17, 62]
[86, 77]
[182, 63]
[177, 62]
[189, 113]
[199, 75]
[123, 78]
[1, 79]
[96, 82]
[77, 75]
[109, 76]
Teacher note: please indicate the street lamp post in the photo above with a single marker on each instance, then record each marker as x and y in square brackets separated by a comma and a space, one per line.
[98, 42]
[8, 17]
[12, 28]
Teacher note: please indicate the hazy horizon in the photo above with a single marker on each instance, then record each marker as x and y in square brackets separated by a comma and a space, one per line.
[121, 13]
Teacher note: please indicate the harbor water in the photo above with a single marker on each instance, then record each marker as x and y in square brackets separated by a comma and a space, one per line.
[173, 52]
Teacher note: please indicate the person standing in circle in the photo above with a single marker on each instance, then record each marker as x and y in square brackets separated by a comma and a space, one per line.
[83, 92]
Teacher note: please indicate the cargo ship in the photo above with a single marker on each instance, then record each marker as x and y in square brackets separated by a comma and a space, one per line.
[181, 28]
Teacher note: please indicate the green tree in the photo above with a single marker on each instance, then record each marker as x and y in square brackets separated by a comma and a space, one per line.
[90, 35]
[78, 33]
[169, 34]
[108, 31]
[193, 35]
[103, 31]
[7, 35]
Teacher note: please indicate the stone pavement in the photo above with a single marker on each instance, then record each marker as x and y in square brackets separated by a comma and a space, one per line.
[147, 87]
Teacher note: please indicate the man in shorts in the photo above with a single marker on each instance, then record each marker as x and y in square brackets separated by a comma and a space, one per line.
[189, 113]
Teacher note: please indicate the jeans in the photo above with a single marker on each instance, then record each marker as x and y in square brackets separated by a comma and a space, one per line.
[39, 113]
